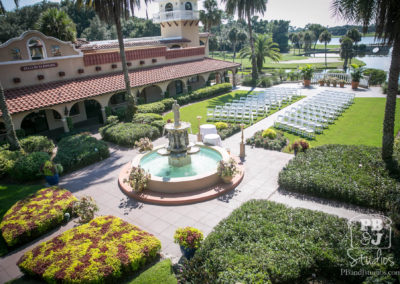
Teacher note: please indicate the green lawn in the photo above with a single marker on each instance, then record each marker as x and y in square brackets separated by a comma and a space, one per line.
[362, 123]
[189, 113]
[9, 195]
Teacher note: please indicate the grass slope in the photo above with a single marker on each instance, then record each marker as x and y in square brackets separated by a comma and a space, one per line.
[361, 124]
[159, 273]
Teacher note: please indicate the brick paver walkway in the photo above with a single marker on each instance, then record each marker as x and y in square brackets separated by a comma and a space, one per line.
[260, 182]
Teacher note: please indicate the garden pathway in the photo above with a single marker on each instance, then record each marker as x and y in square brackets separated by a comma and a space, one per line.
[260, 182]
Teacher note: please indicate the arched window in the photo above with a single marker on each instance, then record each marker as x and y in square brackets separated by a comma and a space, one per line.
[36, 49]
[175, 46]
[202, 42]
[169, 7]
[188, 6]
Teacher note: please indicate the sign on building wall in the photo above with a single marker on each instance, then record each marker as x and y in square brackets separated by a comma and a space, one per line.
[39, 66]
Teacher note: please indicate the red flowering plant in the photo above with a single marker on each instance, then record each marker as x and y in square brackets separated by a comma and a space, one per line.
[101, 251]
[188, 237]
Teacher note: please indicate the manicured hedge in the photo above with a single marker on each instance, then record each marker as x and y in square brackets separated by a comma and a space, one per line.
[276, 144]
[126, 134]
[157, 107]
[146, 118]
[159, 124]
[229, 131]
[36, 215]
[266, 242]
[168, 103]
[376, 76]
[8, 160]
[352, 174]
[211, 91]
[80, 150]
[101, 251]
[27, 167]
[37, 144]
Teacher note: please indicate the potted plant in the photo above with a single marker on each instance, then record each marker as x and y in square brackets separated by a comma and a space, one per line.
[307, 73]
[321, 82]
[51, 172]
[356, 74]
[341, 83]
[328, 81]
[334, 81]
[227, 170]
[189, 240]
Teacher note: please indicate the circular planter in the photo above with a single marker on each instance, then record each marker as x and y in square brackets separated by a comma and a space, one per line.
[307, 83]
[52, 180]
[188, 252]
[354, 85]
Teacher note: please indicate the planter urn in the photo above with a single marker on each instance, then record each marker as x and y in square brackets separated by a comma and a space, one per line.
[307, 83]
[52, 180]
[188, 252]
[354, 85]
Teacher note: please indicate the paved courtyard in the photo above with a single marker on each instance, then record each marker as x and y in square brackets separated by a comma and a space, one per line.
[260, 182]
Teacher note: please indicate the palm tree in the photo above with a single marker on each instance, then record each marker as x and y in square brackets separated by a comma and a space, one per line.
[295, 39]
[233, 38]
[57, 23]
[264, 47]
[246, 9]
[211, 16]
[385, 15]
[11, 135]
[346, 50]
[308, 40]
[325, 37]
[111, 12]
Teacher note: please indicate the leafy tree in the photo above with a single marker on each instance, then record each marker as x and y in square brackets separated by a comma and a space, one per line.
[355, 36]
[385, 15]
[346, 50]
[11, 135]
[211, 16]
[58, 24]
[97, 30]
[245, 9]
[317, 29]
[264, 47]
[233, 38]
[81, 16]
[213, 45]
[325, 37]
[280, 34]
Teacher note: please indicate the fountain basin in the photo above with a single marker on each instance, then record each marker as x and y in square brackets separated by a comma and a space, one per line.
[200, 173]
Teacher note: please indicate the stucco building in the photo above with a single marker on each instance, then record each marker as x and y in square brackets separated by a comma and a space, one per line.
[47, 80]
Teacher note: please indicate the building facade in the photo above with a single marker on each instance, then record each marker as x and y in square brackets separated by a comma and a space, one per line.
[47, 80]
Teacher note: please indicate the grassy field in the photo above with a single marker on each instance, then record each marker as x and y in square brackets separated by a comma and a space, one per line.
[362, 123]
[189, 113]
[9, 195]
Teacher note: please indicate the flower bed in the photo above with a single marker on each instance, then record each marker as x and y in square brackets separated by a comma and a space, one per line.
[268, 141]
[100, 251]
[36, 215]
[266, 242]
[353, 174]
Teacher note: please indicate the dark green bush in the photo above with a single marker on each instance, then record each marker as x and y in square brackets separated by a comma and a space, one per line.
[353, 174]
[265, 82]
[146, 118]
[80, 150]
[27, 167]
[157, 107]
[20, 133]
[112, 119]
[377, 76]
[229, 131]
[159, 124]
[183, 100]
[276, 144]
[37, 144]
[7, 161]
[168, 103]
[211, 91]
[266, 242]
[385, 88]
[249, 82]
[120, 113]
[126, 134]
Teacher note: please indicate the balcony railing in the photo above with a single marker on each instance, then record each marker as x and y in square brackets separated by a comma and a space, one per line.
[177, 15]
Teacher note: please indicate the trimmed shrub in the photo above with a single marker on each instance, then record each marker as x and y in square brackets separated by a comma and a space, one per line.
[266, 242]
[36, 215]
[157, 107]
[168, 103]
[376, 76]
[112, 119]
[211, 91]
[101, 251]
[126, 134]
[183, 100]
[7, 161]
[146, 118]
[276, 143]
[27, 167]
[221, 125]
[353, 174]
[229, 131]
[80, 150]
[159, 124]
[37, 144]
[270, 133]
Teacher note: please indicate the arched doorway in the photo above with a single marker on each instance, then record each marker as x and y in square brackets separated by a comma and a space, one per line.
[35, 122]
[152, 94]
[196, 82]
[175, 88]
[93, 112]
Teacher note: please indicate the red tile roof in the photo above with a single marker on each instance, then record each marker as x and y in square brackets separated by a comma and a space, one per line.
[49, 94]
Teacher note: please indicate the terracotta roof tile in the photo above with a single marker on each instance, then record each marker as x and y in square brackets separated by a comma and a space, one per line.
[49, 94]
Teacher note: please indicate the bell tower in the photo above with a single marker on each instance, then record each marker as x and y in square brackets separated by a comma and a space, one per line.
[179, 18]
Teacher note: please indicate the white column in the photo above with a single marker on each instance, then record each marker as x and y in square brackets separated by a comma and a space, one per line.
[65, 124]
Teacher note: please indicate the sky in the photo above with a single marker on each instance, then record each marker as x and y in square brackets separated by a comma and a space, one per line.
[298, 12]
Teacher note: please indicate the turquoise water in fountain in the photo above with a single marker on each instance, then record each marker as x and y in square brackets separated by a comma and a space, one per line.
[205, 161]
